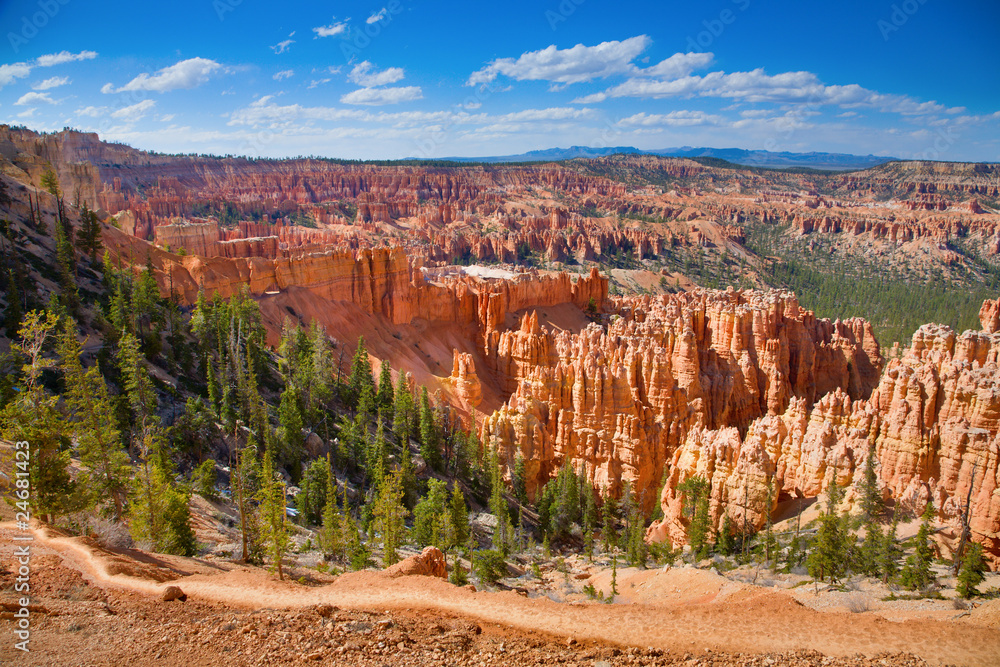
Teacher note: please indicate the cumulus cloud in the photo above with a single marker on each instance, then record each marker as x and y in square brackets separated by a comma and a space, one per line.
[134, 112]
[573, 65]
[378, 96]
[331, 30]
[10, 72]
[376, 16]
[108, 88]
[367, 75]
[34, 98]
[678, 65]
[51, 82]
[284, 74]
[185, 74]
[673, 78]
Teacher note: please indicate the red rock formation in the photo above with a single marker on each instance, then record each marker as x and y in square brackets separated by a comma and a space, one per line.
[619, 402]
[428, 563]
[468, 387]
[934, 421]
[989, 316]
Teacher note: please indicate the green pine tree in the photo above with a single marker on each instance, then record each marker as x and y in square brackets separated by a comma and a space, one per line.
[890, 552]
[331, 534]
[725, 542]
[311, 499]
[871, 495]
[92, 416]
[430, 445]
[695, 491]
[272, 514]
[459, 517]
[384, 395]
[291, 425]
[971, 573]
[871, 548]
[828, 556]
[917, 574]
[33, 417]
[431, 516]
[402, 424]
[361, 374]
[609, 515]
[389, 516]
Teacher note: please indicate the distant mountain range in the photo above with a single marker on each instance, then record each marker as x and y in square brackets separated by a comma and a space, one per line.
[814, 160]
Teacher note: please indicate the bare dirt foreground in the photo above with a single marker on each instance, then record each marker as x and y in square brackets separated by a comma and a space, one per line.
[94, 607]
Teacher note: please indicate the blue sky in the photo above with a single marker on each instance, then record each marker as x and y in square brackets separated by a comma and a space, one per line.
[412, 78]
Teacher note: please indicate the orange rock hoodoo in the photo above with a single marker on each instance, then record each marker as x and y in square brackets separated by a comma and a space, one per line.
[934, 420]
[620, 402]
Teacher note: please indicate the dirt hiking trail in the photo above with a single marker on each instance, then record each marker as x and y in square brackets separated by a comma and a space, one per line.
[746, 619]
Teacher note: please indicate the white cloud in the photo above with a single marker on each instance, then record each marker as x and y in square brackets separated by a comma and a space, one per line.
[108, 88]
[185, 74]
[166, 118]
[594, 98]
[34, 98]
[13, 71]
[377, 96]
[64, 57]
[591, 99]
[134, 112]
[552, 113]
[331, 30]
[92, 111]
[284, 74]
[27, 113]
[678, 65]
[376, 16]
[673, 78]
[574, 65]
[318, 82]
[9, 73]
[672, 119]
[366, 75]
[264, 113]
[282, 46]
[52, 82]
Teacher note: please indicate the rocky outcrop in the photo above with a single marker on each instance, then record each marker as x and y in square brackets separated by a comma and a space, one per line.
[378, 280]
[934, 421]
[989, 315]
[620, 401]
[428, 563]
[468, 386]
